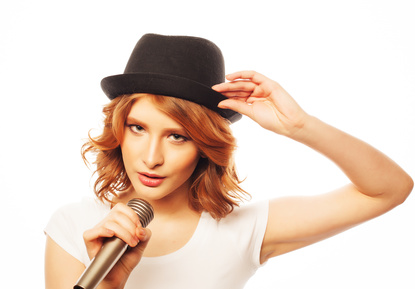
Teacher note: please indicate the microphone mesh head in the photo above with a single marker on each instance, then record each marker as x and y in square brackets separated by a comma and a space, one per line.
[143, 209]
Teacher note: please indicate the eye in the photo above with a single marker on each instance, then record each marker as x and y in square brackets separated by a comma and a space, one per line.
[135, 128]
[178, 138]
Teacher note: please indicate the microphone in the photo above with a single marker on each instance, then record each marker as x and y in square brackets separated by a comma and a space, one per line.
[112, 250]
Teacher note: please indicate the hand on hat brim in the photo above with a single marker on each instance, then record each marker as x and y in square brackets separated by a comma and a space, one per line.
[261, 99]
[242, 90]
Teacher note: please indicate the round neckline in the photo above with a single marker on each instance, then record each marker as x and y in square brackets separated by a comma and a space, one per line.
[197, 234]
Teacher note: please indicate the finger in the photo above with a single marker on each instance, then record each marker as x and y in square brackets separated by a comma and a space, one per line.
[132, 257]
[144, 236]
[236, 105]
[93, 239]
[241, 95]
[127, 211]
[251, 75]
[124, 220]
[97, 233]
[241, 85]
[248, 96]
[125, 216]
[127, 235]
[120, 224]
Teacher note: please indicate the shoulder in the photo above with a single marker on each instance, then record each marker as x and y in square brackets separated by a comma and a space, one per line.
[87, 207]
[68, 223]
[243, 231]
[248, 219]
[252, 213]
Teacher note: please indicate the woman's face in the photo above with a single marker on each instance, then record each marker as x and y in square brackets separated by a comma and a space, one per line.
[158, 155]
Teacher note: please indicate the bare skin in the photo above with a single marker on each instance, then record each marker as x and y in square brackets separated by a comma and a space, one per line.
[377, 184]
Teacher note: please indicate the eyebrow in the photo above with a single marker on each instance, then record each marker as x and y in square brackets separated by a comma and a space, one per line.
[176, 129]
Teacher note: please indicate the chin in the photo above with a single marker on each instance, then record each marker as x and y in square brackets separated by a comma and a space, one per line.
[155, 194]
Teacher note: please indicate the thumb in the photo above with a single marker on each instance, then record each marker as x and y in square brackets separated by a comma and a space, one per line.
[135, 253]
[237, 105]
[144, 238]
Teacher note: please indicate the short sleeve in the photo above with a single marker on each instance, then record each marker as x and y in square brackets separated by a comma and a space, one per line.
[248, 224]
[68, 223]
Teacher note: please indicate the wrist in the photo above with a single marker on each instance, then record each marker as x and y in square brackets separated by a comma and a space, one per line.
[301, 130]
[113, 283]
[110, 285]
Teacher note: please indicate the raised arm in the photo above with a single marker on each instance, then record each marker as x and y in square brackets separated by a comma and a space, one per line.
[377, 183]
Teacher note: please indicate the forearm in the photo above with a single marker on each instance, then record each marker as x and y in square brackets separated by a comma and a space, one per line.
[112, 285]
[267, 103]
[373, 173]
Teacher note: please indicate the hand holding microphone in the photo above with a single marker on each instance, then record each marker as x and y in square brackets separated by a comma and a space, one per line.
[119, 231]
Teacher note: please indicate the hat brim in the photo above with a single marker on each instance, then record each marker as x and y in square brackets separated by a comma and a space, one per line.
[168, 85]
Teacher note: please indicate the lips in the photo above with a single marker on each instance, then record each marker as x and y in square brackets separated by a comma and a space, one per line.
[150, 180]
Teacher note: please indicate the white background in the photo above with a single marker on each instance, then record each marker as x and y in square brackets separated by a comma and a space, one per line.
[350, 63]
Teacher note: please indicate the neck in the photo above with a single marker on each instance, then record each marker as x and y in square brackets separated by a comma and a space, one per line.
[174, 205]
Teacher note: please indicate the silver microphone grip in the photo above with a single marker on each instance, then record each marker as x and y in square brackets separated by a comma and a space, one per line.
[112, 250]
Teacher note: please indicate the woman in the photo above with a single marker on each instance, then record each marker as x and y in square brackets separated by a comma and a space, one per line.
[167, 140]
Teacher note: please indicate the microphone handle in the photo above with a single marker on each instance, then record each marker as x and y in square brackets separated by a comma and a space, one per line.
[112, 250]
[107, 257]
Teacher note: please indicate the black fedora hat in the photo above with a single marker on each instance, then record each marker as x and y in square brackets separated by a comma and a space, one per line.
[185, 67]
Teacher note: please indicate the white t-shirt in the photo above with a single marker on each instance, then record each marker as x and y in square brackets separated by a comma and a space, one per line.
[220, 254]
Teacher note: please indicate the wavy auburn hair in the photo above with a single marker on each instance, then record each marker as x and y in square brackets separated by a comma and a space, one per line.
[215, 184]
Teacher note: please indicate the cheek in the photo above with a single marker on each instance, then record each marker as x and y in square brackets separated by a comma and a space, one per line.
[186, 163]
[128, 155]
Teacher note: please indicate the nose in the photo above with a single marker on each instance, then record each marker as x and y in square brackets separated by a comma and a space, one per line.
[153, 154]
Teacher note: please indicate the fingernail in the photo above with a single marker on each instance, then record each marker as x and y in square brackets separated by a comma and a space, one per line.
[221, 105]
[142, 232]
[134, 241]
